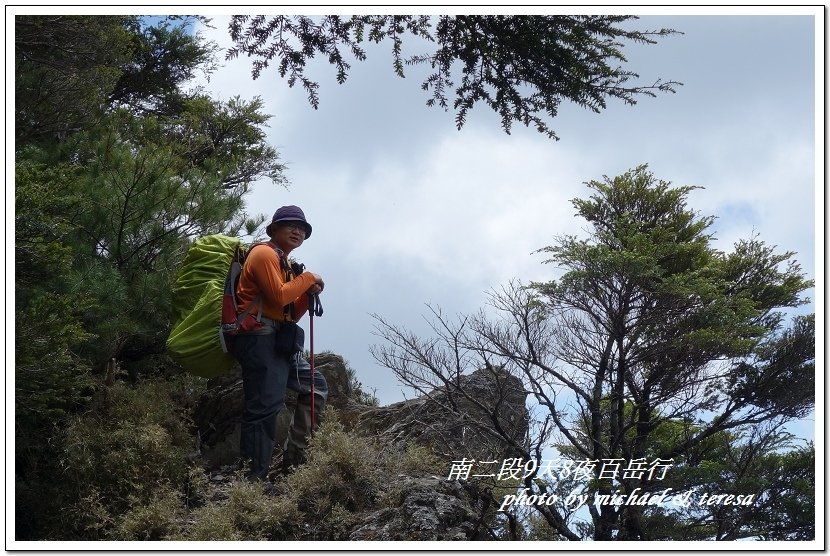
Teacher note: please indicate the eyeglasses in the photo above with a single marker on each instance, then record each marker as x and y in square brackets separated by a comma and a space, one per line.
[299, 226]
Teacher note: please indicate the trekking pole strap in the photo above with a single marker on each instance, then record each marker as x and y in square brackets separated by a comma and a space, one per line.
[315, 308]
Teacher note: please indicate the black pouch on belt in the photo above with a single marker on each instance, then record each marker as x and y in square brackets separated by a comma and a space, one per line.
[290, 337]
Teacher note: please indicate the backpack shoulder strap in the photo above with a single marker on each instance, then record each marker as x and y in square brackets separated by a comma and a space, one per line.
[288, 311]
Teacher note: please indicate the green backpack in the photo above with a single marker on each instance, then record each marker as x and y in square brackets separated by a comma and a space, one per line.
[197, 299]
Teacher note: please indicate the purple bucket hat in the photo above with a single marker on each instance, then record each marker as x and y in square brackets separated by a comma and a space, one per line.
[289, 213]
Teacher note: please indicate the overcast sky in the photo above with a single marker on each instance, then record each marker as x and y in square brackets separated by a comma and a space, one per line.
[409, 211]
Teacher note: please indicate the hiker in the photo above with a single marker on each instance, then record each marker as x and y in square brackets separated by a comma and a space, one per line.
[271, 358]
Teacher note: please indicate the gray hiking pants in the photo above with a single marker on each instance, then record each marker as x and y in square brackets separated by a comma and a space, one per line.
[266, 373]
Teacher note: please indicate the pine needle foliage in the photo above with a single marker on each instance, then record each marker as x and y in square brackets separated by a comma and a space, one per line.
[522, 67]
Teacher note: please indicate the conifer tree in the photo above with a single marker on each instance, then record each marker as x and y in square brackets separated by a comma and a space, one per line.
[522, 67]
[118, 166]
[651, 346]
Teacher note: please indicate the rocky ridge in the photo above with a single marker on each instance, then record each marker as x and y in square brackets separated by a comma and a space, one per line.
[417, 507]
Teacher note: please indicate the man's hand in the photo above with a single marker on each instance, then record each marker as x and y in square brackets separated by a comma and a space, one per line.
[318, 285]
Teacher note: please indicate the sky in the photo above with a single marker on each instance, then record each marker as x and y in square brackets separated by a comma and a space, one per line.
[410, 212]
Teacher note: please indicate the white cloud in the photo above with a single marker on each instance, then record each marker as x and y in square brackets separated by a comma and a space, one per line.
[407, 210]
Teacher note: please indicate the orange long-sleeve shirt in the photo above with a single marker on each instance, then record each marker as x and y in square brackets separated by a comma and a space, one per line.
[262, 273]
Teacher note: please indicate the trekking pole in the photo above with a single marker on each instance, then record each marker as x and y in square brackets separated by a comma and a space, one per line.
[314, 308]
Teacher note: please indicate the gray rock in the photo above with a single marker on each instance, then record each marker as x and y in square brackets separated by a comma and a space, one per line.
[454, 425]
[427, 509]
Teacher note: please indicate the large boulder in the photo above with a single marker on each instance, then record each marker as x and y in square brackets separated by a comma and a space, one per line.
[219, 410]
[426, 509]
[457, 421]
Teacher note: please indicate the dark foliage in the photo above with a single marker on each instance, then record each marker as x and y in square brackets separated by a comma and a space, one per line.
[522, 67]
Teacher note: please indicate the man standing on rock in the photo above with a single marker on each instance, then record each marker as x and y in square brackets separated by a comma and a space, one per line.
[271, 357]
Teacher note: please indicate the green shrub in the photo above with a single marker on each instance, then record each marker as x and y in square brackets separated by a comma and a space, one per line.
[211, 523]
[334, 525]
[348, 475]
[88, 518]
[248, 514]
[124, 475]
[196, 487]
[127, 453]
[154, 521]
[259, 516]
[413, 458]
[343, 468]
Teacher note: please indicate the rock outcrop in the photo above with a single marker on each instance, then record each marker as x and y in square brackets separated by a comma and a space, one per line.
[428, 509]
[457, 421]
[453, 424]
[217, 415]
